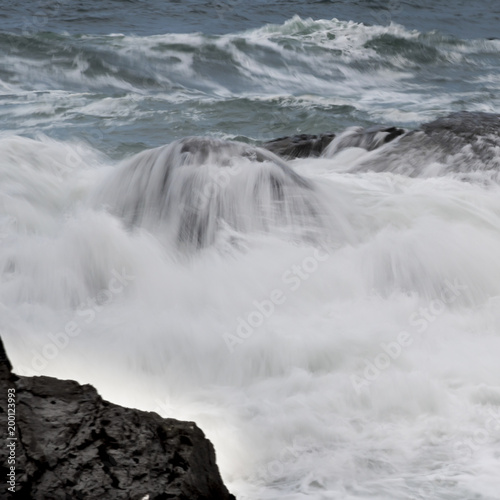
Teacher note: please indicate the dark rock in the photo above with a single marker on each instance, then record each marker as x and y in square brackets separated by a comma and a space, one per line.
[442, 137]
[305, 145]
[464, 125]
[5, 366]
[299, 146]
[461, 142]
[73, 444]
[474, 136]
[391, 133]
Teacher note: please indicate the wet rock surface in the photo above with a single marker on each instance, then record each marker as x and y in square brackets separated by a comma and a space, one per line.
[449, 133]
[465, 124]
[461, 142]
[299, 146]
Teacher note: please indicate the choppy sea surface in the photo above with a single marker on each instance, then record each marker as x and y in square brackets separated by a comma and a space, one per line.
[335, 331]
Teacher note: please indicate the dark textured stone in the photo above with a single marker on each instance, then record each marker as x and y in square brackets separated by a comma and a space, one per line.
[391, 132]
[461, 142]
[299, 146]
[480, 132]
[465, 124]
[5, 366]
[73, 444]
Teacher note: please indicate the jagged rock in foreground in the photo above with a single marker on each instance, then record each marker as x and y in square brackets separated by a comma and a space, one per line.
[74, 445]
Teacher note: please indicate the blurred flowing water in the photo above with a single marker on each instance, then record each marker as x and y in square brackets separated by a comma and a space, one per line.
[334, 330]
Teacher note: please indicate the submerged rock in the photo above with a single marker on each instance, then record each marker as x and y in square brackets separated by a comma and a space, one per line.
[189, 190]
[450, 134]
[73, 444]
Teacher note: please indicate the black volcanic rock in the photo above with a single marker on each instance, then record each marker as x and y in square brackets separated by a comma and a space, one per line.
[74, 445]
[299, 146]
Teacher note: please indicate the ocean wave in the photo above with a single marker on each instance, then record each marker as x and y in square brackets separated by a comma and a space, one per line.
[303, 75]
[306, 51]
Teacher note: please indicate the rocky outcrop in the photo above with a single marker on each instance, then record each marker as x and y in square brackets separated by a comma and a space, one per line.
[460, 142]
[306, 145]
[480, 132]
[73, 444]
[465, 124]
[299, 146]
[449, 133]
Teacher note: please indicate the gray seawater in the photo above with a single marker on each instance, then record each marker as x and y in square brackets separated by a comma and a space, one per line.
[124, 76]
[338, 335]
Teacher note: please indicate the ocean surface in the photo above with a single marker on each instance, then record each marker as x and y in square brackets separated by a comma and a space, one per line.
[335, 331]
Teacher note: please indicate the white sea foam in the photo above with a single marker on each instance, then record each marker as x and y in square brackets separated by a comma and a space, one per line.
[374, 375]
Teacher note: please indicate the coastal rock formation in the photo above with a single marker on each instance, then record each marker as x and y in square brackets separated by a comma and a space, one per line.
[73, 444]
[480, 132]
[461, 142]
[465, 124]
[307, 145]
[299, 146]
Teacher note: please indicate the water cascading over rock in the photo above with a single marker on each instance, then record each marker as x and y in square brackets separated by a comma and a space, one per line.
[193, 187]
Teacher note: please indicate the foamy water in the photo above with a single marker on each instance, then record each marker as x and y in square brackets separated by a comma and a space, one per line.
[332, 324]
[361, 365]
